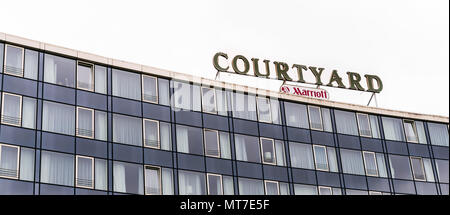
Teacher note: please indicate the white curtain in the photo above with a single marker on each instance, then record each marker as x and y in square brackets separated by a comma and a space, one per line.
[127, 130]
[191, 183]
[442, 170]
[364, 125]
[428, 169]
[374, 126]
[381, 164]
[250, 187]
[8, 161]
[29, 112]
[85, 122]
[393, 129]
[321, 158]
[119, 177]
[209, 100]
[296, 115]
[241, 150]
[100, 79]
[31, 64]
[11, 109]
[346, 122]
[332, 160]
[224, 139]
[300, 189]
[13, 58]
[228, 188]
[152, 185]
[101, 125]
[264, 110]
[244, 106]
[126, 84]
[163, 90]
[167, 181]
[221, 100]
[50, 68]
[301, 155]
[352, 162]
[182, 139]
[27, 164]
[84, 169]
[182, 95]
[280, 153]
[275, 109]
[326, 118]
[315, 117]
[101, 179]
[58, 118]
[284, 188]
[272, 188]
[57, 168]
[165, 136]
[421, 132]
[151, 133]
[371, 164]
[438, 134]
[149, 88]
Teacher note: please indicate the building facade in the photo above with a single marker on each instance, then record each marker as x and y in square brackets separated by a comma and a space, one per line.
[74, 123]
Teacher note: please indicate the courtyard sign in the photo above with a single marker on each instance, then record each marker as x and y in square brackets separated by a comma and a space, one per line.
[282, 73]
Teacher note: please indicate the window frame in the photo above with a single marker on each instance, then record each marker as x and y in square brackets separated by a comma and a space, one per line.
[413, 124]
[92, 172]
[23, 61]
[270, 109]
[320, 116]
[143, 89]
[274, 155]
[215, 100]
[365, 163]
[18, 160]
[315, 157]
[158, 133]
[20, 109]
[92, 66]
[368, 122]
[271, 181]
[422, 167]
[207, 182]
[218, 142]
[92, 123]
[159, 178]
[324, 187]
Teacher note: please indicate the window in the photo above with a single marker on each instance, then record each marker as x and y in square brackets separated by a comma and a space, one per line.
[59, 70]
[420, 132]
[31, 64]
[191, 183]
[428, 169]
[247, 148]
[128, 178]
[209, 103]
[189, 140]
[225, 150]
[187, 96]
[438, 134]
[9, 161]
[356, 192]
[418, 169]
[151, 133]
[214, 184]
[364, 125]
[296, 115]
[326, 117]
[85, 122]
[163, 91]
[127, 130]
[165, 136]
[85, 172]
[85, 76]
[381, 165]
[264, 112]
[152, 180]
[370, 164]
[250, 187]
[374, 126]
[100, 79]
[374, 193]
[301, 155]
[228, 185]
[315, 118]
[346, 122]
[101, 123]
[400, 167]
[101, 174]
[11, 109]
[271, 187]
[58, 118]
[126, 84]
[268, 151]
[149, 89]
[14, 60]
[442, 170]
[352, 162]
[301, 189]
[244, 106]
[1, 56]
[167, 181]
[393, 129]
[284, 188]
[212, 143]
[410, 131]
[325, 190]
[320, 157]
[57, 168]
[279, 153]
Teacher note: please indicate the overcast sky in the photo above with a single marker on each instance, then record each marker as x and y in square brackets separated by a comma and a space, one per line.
[404, 42]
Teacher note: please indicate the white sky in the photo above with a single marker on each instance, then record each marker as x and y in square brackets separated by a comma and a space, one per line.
[404, 42]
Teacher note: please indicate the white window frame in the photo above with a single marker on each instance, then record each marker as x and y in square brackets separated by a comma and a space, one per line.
[92, 123]
[412, 122]
[159, 178]
[20, 109]
[92, 173]
[215, 100]
[359, 127]
[273, 149]
[18, 160]
[218, 143]
[23, 61]
[207, 182]
[325, 187]
[143, 89]
[275, 182]
[365, 163]
[158, 133]
[421, 165]
[309, 118]
[374, 192]
[326, 157]
[86, 64]
[270, 109]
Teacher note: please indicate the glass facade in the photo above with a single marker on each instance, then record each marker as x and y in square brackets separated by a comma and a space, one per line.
[75, 127]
